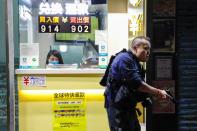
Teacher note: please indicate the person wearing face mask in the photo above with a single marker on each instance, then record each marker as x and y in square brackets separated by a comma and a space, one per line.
[54, 57]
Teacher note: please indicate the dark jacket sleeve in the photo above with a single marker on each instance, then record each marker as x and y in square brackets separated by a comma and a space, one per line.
[130, 72]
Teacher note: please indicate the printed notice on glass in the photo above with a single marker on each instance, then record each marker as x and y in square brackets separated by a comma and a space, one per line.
[101, 41]
[163, 68]
[29, 55]
[69, 111]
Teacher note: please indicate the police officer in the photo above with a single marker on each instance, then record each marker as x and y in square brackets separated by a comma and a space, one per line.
[125, 79]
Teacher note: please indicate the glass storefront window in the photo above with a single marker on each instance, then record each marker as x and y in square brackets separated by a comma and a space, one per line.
[3, 71]
[76, 30]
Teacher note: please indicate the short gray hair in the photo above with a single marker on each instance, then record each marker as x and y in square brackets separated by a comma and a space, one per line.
[140, 40]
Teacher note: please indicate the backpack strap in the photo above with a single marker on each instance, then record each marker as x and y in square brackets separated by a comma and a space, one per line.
[103, 81]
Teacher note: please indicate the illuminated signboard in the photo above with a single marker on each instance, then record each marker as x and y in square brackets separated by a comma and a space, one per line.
[25, 13]
[64, 24]
[46, 8]
[57, 17]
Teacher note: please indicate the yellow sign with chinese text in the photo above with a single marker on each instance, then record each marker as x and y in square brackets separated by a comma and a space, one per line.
[69, 111]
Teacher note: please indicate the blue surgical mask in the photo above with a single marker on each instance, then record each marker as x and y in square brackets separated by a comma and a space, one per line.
[54, 62]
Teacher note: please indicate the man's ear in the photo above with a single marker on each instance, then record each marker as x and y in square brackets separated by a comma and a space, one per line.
[135, 48]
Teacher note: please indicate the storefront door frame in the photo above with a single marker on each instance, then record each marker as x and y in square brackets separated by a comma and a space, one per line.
[10, 65]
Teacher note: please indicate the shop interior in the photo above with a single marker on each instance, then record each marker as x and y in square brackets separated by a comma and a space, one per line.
[79, 50]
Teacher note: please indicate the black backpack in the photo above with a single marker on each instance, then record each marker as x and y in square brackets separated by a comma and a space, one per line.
[103, 81]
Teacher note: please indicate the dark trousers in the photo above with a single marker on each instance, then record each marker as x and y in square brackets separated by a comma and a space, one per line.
[122, 119]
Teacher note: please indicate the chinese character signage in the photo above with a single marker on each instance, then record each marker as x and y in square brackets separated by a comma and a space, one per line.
[69, 111]
[34, 81]
[56, 8]
[64, 24]
[25, 13]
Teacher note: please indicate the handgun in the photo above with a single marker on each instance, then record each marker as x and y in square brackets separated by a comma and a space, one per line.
[172, 98]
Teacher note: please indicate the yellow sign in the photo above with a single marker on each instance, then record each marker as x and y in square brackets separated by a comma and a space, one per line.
[69, 111]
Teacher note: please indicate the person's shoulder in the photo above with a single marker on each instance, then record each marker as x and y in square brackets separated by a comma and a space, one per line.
[124, 56]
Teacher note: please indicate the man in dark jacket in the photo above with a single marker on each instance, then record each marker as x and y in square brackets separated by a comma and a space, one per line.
[125, 81]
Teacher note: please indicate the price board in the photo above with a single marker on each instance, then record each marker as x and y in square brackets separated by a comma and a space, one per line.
[64, 24]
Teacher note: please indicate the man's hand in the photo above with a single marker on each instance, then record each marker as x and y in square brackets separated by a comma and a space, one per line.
[161, 94]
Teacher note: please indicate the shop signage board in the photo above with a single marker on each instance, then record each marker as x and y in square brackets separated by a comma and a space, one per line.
[64, 24]
[25, 13]
[64, 18]
[69, 111]
[55, 8]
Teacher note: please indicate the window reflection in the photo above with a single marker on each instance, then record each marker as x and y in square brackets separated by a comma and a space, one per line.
[83, 31]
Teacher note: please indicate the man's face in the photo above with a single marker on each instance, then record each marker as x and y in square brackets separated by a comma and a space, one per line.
[143, 52]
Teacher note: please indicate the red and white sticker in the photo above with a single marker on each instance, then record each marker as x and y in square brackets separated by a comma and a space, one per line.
[34, 81]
